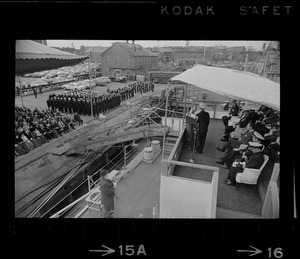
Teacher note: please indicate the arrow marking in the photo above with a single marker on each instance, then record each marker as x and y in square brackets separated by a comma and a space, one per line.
[254, 252]
[106, 252]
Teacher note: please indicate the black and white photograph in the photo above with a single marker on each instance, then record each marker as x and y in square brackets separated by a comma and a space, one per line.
[147, 129]
[150, 128]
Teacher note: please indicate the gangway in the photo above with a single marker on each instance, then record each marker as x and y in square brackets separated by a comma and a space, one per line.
[147, 131]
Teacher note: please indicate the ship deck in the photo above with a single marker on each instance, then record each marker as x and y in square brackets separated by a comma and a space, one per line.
[138, 192]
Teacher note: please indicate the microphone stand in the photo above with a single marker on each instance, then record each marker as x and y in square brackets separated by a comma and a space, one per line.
[192, 160]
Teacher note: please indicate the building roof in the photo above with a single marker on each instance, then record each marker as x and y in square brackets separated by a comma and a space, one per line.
[95, 49]
[135, 49]
[165, 49]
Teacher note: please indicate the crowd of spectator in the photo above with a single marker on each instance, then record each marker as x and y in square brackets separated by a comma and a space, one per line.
[33, 128]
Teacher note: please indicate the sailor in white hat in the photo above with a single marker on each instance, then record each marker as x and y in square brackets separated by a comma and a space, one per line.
[195, 109]
[255, 145]
[202, 106]
[257, 137]
[254, 161]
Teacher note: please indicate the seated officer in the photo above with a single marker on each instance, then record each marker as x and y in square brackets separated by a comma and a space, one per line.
[234, 111]
[254, 160]
[230, 156]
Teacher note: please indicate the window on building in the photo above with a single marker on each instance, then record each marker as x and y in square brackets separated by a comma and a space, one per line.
[117, 61]
[128, 61]
[107, 60]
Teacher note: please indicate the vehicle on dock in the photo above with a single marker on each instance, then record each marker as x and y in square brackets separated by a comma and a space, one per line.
[73, 86]
[88, 83]
[119, 78]
[161, 77]
[102, 81]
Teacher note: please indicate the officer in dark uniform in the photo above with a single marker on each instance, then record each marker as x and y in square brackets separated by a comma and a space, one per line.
[152, 86]
[62, 102]
[111, 101]
[54, 103]
[234, 111]
[72, 101]
[65, 104]
[115, 100]
[48, 103]
[203, 119]
[94, 108]
[105, 104]
[83, 107]
[88, 106]
[79, 106]
[98, 106]
[119, 98]
[132, 91]
[59, 103]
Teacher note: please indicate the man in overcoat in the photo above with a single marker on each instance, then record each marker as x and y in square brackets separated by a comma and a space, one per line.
[107, 188]
[203, 119]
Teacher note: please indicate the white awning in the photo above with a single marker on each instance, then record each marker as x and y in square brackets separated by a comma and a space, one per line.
[233, 83]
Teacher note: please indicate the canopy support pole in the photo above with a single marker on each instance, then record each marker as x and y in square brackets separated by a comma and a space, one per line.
[166, 113]
[184, 108]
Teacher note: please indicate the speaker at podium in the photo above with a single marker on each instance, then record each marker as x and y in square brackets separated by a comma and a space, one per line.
[190, 122]
[190, 119]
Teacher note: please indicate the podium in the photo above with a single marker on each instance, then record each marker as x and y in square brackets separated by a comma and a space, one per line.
[190, 122]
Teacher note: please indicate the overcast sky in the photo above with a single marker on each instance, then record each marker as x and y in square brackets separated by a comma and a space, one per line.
[107, 43]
